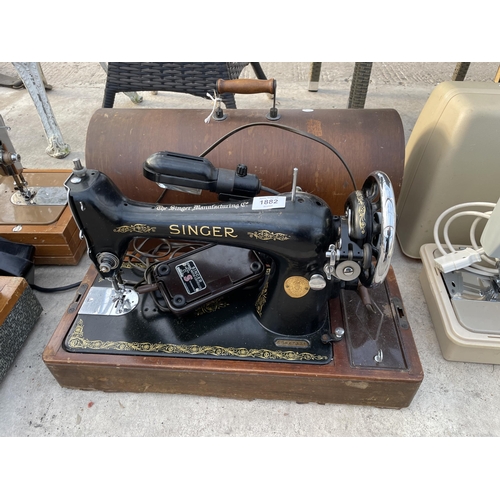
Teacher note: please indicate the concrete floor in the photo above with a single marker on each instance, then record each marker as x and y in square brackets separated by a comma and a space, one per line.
[455, 399]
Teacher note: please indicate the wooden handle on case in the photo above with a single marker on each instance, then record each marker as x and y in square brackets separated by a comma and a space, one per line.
[246, 86]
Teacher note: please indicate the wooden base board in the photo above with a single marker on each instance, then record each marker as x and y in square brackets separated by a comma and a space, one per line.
[337, 382]
[56, 243]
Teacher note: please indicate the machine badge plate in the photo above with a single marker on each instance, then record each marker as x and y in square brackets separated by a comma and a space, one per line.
[300, 343]
[191, 277]
[296, 286]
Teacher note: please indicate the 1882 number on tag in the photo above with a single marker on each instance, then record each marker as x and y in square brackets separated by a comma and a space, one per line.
[267, 202]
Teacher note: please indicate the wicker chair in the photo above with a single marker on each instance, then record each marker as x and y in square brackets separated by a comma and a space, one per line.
[189, 78]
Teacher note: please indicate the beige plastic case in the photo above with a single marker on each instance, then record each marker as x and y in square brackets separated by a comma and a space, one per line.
[452, 157]
[457, 342]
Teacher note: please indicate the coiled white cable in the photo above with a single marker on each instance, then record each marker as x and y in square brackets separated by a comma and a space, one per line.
[476, 268]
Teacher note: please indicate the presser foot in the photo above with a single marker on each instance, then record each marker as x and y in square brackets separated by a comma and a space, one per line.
[124, 301]
[40, 196]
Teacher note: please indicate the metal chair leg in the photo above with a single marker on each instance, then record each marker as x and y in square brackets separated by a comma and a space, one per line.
[460, 71]
[259, 72]
[314, 75]
[133, 96]
[33, 81]
[359, 85]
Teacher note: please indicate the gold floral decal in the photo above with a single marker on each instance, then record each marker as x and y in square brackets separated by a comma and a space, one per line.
[264, 234]
[212, 306]
[262, 298]
[361, 211]
[135, 228]
[128, 265]
[78, 341]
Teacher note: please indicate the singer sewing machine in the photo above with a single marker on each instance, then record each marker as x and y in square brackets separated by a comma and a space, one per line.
[34, 208]
[281, 258]
[25, 194]
[277, 297]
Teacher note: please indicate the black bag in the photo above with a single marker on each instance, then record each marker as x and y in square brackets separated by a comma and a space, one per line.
[17, 259]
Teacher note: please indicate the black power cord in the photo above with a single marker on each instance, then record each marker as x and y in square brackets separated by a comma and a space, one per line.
[288, 129]
[283, 127]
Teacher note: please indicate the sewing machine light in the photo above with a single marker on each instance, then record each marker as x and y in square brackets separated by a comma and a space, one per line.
[182, 189]
[194, 173]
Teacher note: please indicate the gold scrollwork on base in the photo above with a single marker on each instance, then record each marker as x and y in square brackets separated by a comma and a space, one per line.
[264, 234]
[135, 228]
[212, 306]
[78, 341]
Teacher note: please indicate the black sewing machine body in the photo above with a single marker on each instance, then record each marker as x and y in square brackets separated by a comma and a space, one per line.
[307, 257]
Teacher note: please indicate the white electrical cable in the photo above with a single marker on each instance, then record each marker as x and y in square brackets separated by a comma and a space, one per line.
[476, 268]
